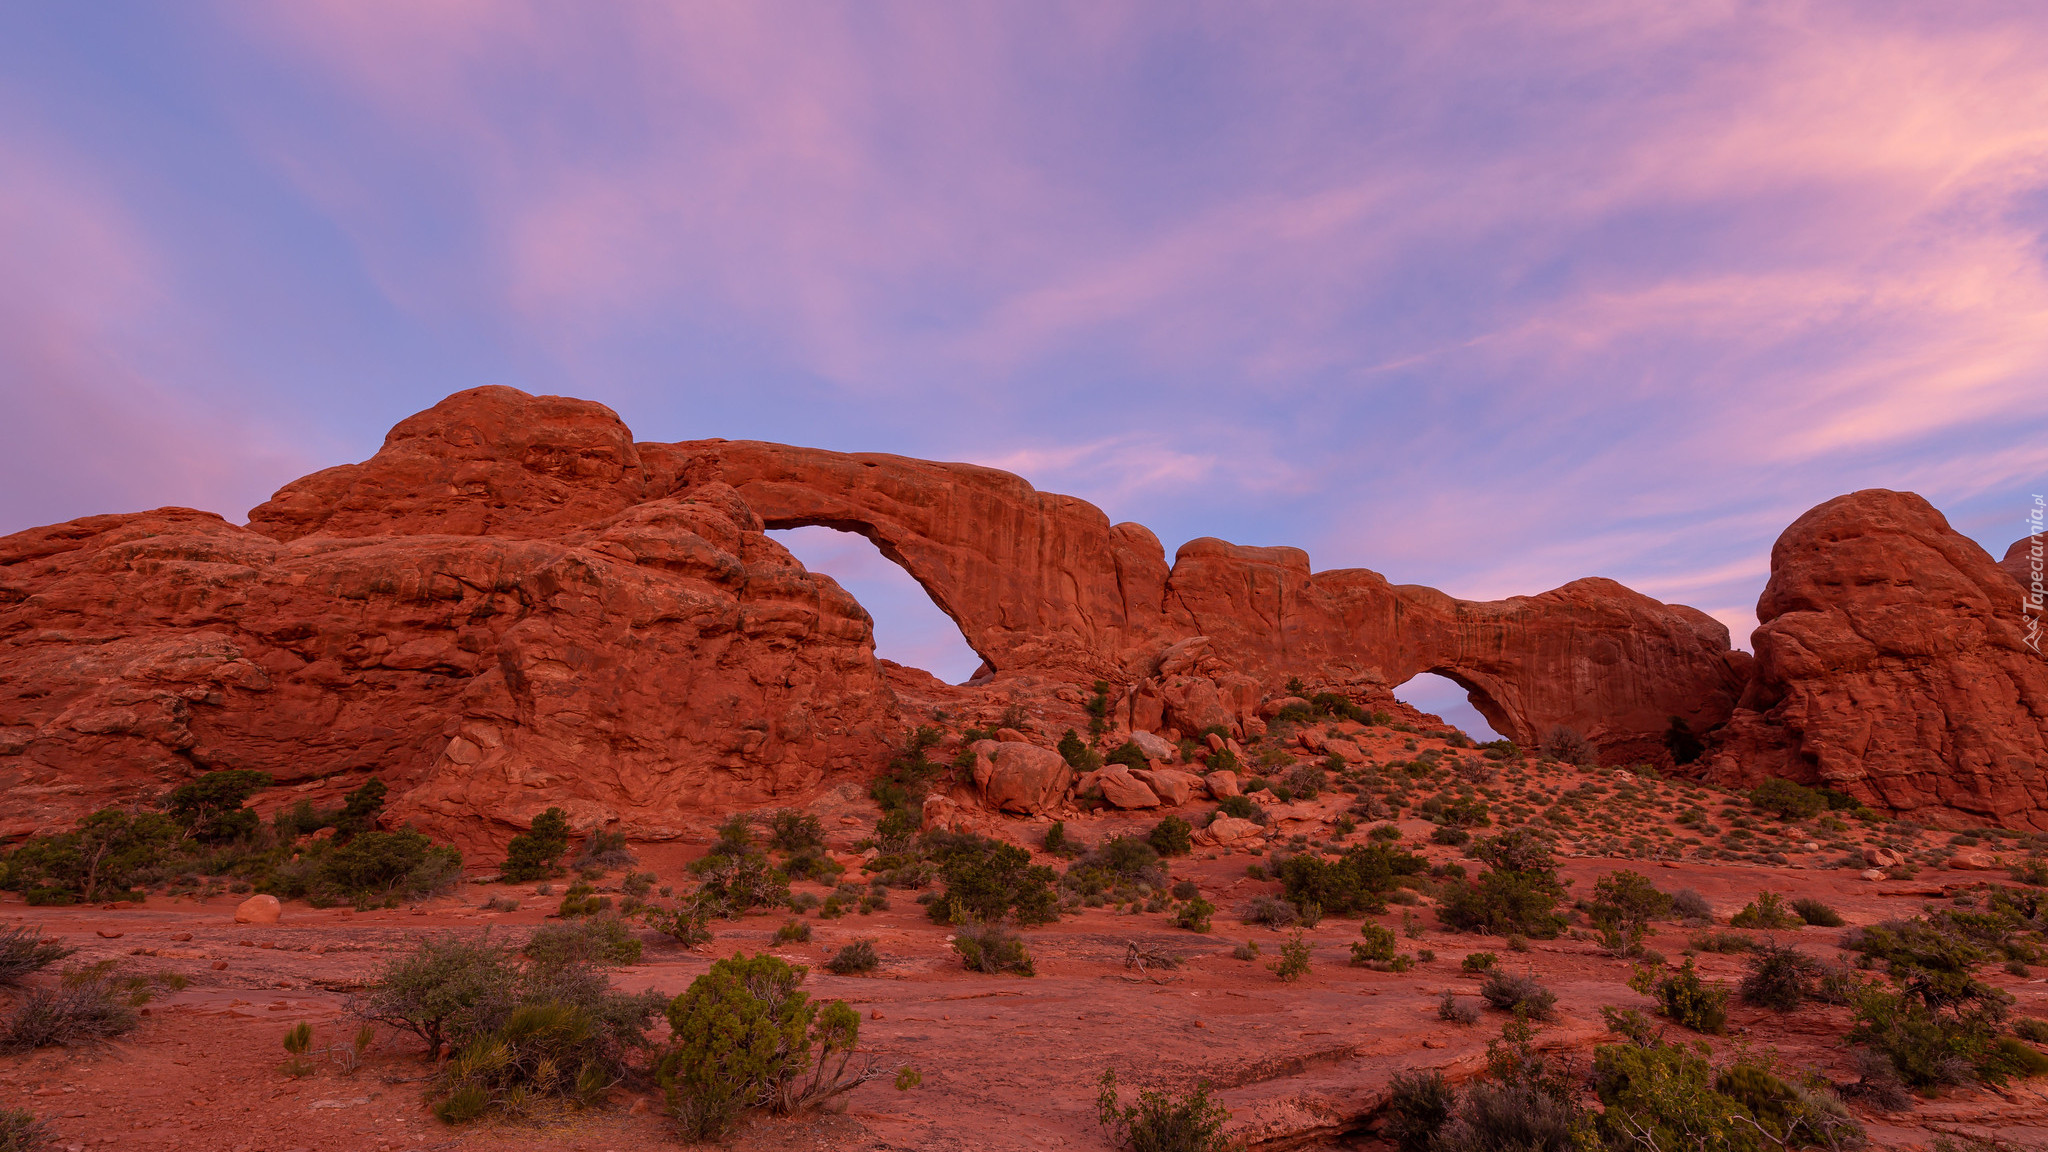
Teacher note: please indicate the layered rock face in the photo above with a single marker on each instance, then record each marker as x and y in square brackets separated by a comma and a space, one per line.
[493, 614]
[1893, 663]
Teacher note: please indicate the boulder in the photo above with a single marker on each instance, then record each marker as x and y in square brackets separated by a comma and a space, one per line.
[1893, 663]
[1876, 857]
[1230, 829]
[1122, 789]
[1154, 747]
[1873, 874]
[1022, 778]
[1972, 861]
[1173, 787]
[1222, 784]
[258, 909]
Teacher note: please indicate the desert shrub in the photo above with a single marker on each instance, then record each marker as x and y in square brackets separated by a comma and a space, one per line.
[902, 784]
[1624, 905]
[536, 853]
[793, 931]
[101, 858]
[88, 1004]
[1767, 911]
[1936, 1028]
[2031, 1028]
[603, 850]
[988, 880]
[1076, 752]
[24, 950]
[385, 867]
[1721, 942]
[1294, 958]
[1562, 743]
[1186, 890]
[686, 926]
[2032, 869]
[1172, 836]
[1379, 945]
[600, 940]
[448, 989]
[1242, 808]
[1505, 902]
[500, 903]
[1691, 1001]
[1452, 1010]
[1524, 994]
[582, 900]
[1159, 1122]
[791, 831]
[20, 1131]
[854, 959]
[1355, 882]
[1269, 912]
[1307, 780]
[746, 1037]
[991, 948]
[1780, 978]
[1816, 913]
[1447, 834]
[526, 1062]
[1479, 961]
[730, 886]
[637, 884]
[1687, 904]
[1418, 1107]
[1509, 1116]
[1787, 800]
[1129, 755]
[1195, 915]
[1056, 842]
[2009, 1059]
[210, 807]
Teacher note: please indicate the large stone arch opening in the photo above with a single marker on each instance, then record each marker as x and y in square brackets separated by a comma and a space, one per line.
[1462, 702]
[911, 626]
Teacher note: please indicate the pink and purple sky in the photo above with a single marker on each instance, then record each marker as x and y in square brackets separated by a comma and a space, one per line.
[1487, 296]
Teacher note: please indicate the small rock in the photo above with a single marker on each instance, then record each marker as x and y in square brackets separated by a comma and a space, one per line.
[219, 965]
[1874, 874]
[107, 935]
[1433, 1044]
[182, 936]
[258, 909]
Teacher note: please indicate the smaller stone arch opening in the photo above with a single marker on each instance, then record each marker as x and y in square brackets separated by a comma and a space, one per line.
[910, 627]
[1461, 703]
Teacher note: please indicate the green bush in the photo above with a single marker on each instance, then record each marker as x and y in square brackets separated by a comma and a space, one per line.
[1357, 882]
[1768, 911]
[686, 926]
[1378, 946]
[857, 958]
[537, 853]
[1195, 915]
[988, 880]
[1172, 836]
[1294, 958]
[1517, 1115]
[1816, 913]
[1076, 752]
[1476, 962]
[1161, 1123]
[1624, 905]
[1056, 842]
[582, 900]
[1241, 808]
[603, 851]
[210, 807]
[793, 931]
[23, 950]
[1788, 800]
[386, 867]
[794, 832]
[2009, 1059]
[20, 1131]
[1692, 1002]
[902, 785]
[1780, 978]
[101, 858]
[1934, 1031]
[731, 885]
[991, 948]
[448, 989]
[1522, 994]
[599, 940]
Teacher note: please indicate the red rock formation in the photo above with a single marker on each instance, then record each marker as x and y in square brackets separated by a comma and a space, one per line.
[1045, 583]
[649, 663]
[512, 604]
[1893, 664]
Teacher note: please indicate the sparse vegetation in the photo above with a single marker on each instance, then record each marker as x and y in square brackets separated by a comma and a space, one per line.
[89, 1004]
[1768, 911]
[24, 950]
[536, 853]
[991, 948]
[1158, 1122]
[855, 959]
[1523, 995]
